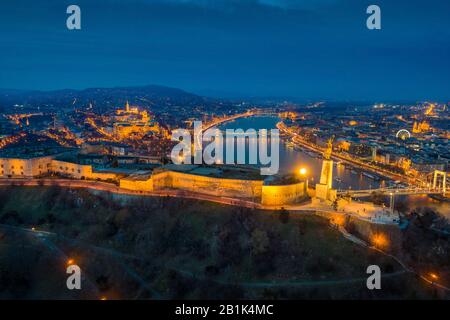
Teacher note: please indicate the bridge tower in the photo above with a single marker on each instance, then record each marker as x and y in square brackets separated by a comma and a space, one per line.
[324, 189]
[443, 174]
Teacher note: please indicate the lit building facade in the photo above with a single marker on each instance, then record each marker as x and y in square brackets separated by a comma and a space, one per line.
[131, 121]
[246, 189]
[39, 166]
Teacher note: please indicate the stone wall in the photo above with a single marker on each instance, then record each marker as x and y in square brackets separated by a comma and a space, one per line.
[367, 231]
[131, 183]
[70, 169]
[253, 190]
[250, 189]
[235, 188]
[283, 194]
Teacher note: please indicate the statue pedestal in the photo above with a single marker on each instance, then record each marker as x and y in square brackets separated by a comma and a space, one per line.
[325, 193]
[326, 175]
[324, 190]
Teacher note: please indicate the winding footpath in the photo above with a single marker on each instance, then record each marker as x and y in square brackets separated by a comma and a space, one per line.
[108, 187]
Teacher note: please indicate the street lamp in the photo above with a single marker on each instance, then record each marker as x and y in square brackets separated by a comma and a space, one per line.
[302, 171]
[379, 240]
[434, 276]
[392, 202]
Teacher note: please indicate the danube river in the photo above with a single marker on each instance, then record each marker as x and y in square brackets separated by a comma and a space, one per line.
[344, 178]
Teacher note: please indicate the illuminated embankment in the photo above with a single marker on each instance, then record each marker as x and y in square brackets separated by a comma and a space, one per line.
[354, 162]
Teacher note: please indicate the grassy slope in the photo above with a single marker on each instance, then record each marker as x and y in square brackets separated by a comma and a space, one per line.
[192, 249]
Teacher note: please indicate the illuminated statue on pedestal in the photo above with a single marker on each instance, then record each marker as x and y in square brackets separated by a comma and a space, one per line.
[324, 190]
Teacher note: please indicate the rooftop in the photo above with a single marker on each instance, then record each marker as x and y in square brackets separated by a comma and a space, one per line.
[276, 180]
[139, 176]
[30, 153]
[216, 171]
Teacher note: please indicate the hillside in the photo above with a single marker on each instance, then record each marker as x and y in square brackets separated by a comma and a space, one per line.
[100, 96]
[142, 247]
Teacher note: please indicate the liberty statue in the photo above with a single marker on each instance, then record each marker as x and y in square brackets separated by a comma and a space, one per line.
[329, 149]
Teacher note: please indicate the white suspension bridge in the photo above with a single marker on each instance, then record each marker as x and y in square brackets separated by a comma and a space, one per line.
[436, 186]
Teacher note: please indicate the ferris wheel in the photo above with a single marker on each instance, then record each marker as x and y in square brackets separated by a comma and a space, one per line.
[403, 134]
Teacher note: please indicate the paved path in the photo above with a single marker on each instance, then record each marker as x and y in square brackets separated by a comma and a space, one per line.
[102, 186]
[109, 187]
[406, 268]
[46, 238]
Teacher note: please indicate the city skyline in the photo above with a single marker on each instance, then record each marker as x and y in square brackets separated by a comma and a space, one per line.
[220, 95]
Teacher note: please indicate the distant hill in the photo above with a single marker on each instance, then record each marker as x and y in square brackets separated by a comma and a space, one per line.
[101, 97]
[171, 106]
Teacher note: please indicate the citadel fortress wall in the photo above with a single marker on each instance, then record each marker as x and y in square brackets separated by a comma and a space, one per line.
[254, 190]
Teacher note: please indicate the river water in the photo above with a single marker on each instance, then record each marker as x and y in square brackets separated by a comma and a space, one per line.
[344, 178]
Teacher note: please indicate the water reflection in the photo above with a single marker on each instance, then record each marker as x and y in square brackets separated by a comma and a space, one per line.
[344, 177]
[291, 159]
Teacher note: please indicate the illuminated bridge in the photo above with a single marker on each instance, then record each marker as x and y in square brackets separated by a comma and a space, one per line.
[393, 191]
[436, 186]
[219, 121]
[250, 113]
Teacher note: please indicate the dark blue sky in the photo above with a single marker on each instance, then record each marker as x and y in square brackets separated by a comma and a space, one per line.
[316, 49]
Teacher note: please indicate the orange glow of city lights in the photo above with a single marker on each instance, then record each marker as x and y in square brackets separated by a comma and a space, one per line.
[302, 171]
[339, 221]
[434, 276]
[103, 298]
[379, 240]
